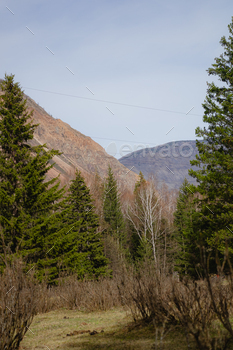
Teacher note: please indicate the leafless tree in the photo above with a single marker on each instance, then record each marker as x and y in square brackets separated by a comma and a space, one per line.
[145, 215]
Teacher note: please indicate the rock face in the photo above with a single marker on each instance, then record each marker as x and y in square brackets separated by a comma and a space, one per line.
[169, 163]
[79, 151]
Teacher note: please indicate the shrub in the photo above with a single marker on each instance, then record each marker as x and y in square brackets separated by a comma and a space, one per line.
[18, 305]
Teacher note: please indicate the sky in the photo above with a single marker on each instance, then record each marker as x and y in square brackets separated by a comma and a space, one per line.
[129, 74]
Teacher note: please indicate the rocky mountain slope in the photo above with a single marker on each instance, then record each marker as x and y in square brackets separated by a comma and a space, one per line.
[169, 163]
[79, 151]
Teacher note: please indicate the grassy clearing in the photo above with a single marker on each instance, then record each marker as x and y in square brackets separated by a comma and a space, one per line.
[118, 332]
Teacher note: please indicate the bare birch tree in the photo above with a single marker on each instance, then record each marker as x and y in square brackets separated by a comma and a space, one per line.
[145, 214]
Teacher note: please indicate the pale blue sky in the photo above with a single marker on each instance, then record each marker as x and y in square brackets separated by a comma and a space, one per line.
[147, 53]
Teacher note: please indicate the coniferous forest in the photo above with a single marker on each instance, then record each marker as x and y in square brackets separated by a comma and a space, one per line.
[165, 256]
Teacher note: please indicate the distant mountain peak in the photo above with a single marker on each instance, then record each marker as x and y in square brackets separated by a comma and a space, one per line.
[169, 162]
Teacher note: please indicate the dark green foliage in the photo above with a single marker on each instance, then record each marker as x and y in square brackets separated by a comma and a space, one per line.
[25, 198]
[69, 242]
[54, 235]
[141, 181]
[215, 159]
[49, 241]
[136, 246]
[187, 252]
[87, 256]
[112, 208]
[139, 248]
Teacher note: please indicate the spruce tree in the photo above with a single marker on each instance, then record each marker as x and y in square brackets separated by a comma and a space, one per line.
[215, 158]
[26, 199]
[49, 242]
[70, 240]
[112, 208]
[87, 255]
[141, 181]
[52, 233]
[138, 247]
[186, 249]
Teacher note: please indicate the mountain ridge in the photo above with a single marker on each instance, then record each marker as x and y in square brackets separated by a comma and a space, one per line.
[79, 151]
[169, 162]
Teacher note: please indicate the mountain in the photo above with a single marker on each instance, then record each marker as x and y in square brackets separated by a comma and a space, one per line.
[79, 151]
[169, 163]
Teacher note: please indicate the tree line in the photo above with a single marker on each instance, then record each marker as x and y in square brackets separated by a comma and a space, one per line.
[72, 229]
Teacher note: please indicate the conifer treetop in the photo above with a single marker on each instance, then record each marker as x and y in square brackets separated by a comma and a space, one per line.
[15, 127]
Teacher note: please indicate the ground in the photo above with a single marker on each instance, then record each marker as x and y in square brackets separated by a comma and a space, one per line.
[61, 329]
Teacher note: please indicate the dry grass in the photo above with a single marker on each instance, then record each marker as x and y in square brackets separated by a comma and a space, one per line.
[51, 329]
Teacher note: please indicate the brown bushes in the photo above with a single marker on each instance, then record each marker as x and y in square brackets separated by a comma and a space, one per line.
[145, 293]
[18, 301]
[80, 295]
[86, 295]
[192, 307]
[202, 309]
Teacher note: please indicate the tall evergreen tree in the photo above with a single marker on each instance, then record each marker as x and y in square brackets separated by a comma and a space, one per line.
[70, 240]
[112, 208]
[86, 256]
[138, 247]
[26, 199]
[215, 158]
[49, 242]
[50, 232]
[186, 251]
